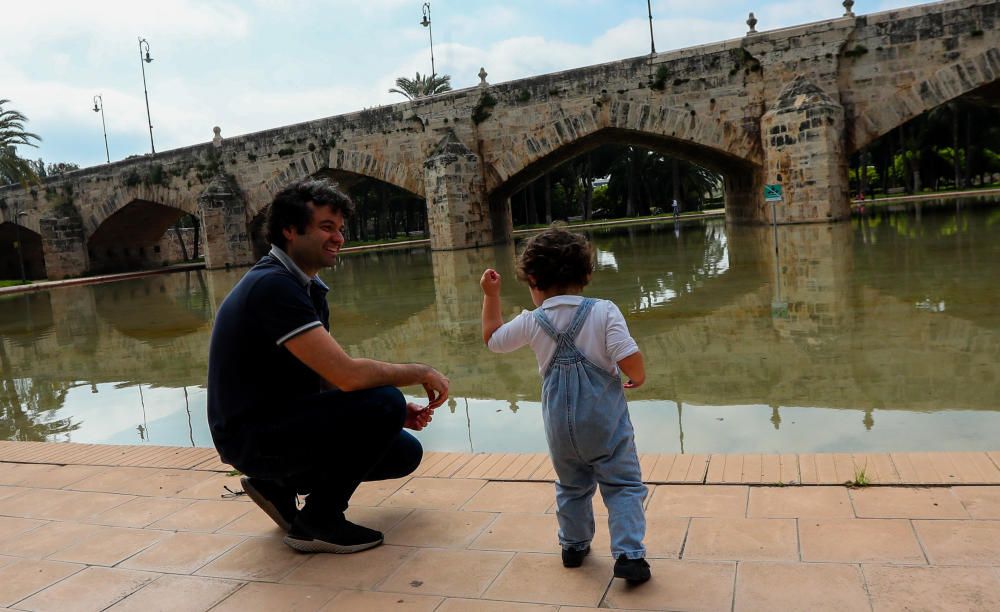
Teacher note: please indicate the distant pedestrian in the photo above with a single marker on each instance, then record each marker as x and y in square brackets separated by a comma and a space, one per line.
[677, 208]
[581, 344]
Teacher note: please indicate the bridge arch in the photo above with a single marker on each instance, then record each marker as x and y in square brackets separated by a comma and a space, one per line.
[342, 166]
[347, 181]
[953, 81]
[734, 169]
[135, 236]
[30, 252]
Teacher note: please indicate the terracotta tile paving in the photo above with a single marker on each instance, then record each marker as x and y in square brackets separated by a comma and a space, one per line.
[344, 572]
[541, 578]
[140, 511]
[181, 553]
[980, 502]
[204, 515]
[678, 585]
[701, 500]
[895, 502]
[793, 502]
[439, 528]
[170, 592]
[960, 542]
[857, 541]
[932, 589]
[94, 588]
[764, 587]
[144, 528]
[24, 578]
[49, 539]
[452, 573]
[367, 601]
[108, 547]
[276, 598]
[434, 493]
[265, 559]
[721, 539]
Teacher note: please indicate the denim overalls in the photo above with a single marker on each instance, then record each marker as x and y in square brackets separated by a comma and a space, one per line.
[590, 439]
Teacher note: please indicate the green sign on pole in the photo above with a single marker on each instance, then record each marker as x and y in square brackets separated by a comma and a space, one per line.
[772, 193]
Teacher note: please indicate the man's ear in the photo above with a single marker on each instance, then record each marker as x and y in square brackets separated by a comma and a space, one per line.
[287, 233]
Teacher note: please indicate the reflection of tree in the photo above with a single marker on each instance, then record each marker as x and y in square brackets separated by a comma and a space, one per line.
[27, 406]
[652, 272]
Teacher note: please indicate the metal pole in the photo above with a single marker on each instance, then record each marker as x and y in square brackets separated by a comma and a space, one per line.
[99, 105]
[652, 45]
[142, 62]
[430, 32]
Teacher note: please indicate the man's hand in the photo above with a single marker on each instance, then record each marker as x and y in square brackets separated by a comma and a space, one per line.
[417, 416]
[490, 283]
[436, 385]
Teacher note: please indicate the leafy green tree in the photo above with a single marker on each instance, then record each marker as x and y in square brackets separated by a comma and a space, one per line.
[422, 86]
[43, 170]
[13, 169]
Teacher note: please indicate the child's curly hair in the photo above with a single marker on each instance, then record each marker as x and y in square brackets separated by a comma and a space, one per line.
[556, 258]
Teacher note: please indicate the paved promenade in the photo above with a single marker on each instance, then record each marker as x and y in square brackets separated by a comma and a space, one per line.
[93, 527]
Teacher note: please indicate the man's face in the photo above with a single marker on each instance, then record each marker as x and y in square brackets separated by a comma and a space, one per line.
[317, 247]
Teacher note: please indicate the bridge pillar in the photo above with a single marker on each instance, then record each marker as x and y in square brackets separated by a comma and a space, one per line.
[458, 210]
[224, 225]
[804, 151]
[457, 307]
[64, 248]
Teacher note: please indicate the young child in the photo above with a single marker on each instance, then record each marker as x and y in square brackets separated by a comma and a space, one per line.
[581, 344]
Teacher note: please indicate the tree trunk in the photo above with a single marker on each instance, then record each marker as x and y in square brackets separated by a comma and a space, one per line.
[548, 199]
[862, 173]
[588, 188]
[532, 206]
[180, 239]
[953, 107]
[632, 195]
[675, 179]
[197, 235]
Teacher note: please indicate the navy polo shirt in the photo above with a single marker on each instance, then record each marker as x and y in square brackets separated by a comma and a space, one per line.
[252, 378]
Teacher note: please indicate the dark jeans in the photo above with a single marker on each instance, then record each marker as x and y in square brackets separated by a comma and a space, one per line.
[330, 443]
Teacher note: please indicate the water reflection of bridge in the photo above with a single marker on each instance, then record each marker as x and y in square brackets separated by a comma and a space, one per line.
[847, 336]
[856, 325]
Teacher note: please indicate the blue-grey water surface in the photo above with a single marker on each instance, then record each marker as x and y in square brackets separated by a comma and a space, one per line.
[881, 334]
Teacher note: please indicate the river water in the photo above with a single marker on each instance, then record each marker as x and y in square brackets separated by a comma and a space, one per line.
[881, 334]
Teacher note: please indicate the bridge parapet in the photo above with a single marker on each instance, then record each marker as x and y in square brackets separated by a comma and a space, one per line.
[828, 88]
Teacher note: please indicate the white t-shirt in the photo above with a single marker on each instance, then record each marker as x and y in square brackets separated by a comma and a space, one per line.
[604, 338]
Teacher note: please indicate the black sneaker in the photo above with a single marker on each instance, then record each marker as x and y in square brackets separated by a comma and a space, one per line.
[275, 500]
[573, 557]
[342, 538]
[634, 571]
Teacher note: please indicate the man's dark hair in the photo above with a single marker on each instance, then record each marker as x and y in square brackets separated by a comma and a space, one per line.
[290, 207]
[556, 258]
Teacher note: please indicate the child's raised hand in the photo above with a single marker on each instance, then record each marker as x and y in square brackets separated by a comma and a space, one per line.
[490, 282]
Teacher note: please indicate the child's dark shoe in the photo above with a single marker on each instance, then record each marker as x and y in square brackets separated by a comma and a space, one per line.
[574, 558]
[634, 571]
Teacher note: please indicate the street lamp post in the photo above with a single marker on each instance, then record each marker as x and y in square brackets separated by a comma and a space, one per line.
[652, 45]
[143, 60]
[426, 22]
[99, 107]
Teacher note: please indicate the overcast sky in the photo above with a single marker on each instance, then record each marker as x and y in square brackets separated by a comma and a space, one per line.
[256, 64]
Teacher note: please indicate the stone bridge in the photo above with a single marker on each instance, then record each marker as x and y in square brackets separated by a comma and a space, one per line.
[786, 106]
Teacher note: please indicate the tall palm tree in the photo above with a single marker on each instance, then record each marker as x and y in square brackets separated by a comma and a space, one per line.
[422, 85]
[13, 169]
